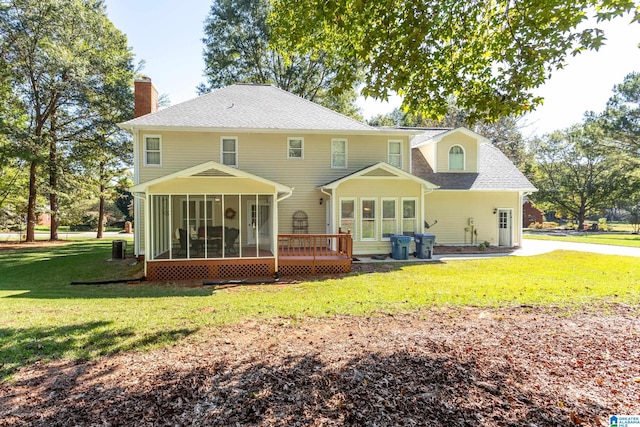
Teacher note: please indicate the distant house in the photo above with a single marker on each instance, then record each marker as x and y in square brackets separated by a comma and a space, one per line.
[531, 214]
[252, 180]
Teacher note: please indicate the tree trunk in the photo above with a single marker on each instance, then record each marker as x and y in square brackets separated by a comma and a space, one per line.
[31, 207]
[101, 207]
[53, 182]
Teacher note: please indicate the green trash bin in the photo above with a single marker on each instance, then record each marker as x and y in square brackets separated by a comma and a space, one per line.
[400, 246]
[424, 245]
[119, 249]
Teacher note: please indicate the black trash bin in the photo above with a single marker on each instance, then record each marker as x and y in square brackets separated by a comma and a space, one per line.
[119, 249]
[400, 246]
[424, 245]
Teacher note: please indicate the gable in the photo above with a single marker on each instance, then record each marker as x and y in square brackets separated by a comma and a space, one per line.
[495, 172]
[468, 143]
[209, 169]
[376, 171]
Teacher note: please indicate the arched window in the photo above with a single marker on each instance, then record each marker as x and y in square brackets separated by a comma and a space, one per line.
[456, 158]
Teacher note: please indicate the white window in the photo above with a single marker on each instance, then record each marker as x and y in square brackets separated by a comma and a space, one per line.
[456, 158]
[409, 217]
[394, 153]
[368, 219]
[348, 216]
[339, 153]
[389, 218]
[229, 151]
[152, 150]
[295, 148]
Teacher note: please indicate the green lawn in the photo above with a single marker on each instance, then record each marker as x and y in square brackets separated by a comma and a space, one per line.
[632, 240]
[43, 317]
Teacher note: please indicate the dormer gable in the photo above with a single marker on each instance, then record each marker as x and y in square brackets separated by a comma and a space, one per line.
[452, 151]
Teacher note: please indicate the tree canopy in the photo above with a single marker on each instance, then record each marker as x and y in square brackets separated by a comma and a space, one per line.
[576, 173]
[237, 50]
[489, 55]
[63, 60]
[621, 118]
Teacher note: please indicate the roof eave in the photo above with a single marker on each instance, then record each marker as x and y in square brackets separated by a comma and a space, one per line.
[383, 132]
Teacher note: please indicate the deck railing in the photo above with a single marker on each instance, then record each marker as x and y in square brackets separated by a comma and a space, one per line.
[315, 245]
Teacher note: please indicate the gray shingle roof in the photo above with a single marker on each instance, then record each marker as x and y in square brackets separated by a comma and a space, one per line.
[249, 106]
[427, 135]
[495, 172]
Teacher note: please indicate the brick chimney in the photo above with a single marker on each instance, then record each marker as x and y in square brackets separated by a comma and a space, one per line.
[145, 97]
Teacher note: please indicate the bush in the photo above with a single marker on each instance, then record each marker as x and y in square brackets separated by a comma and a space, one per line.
[483, 246]
[89, 222]
[603, 226]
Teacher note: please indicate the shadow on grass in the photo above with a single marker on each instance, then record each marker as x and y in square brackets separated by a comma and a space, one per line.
[399, 388]
[46, 273]
[24, 346]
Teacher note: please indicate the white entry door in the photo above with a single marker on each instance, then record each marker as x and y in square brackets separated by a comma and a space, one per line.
[505, 221]
[259, 224]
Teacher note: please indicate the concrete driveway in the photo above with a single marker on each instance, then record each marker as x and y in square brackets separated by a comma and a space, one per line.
[537, 247]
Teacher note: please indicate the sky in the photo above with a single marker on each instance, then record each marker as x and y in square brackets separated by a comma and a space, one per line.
[167, 35]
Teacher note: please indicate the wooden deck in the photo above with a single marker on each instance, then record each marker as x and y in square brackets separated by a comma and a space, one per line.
[298, 255]
[314, 254]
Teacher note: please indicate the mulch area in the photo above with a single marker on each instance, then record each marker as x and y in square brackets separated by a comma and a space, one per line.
[451, 367]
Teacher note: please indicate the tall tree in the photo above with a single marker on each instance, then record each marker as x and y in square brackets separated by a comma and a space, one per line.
[55, 52]
[490, 55]
[621, 117]
[577, 175]
[236, 50]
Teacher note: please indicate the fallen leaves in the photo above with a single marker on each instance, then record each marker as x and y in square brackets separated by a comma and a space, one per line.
[454, 367]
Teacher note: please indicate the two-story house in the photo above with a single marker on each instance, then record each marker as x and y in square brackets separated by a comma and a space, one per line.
[250, 180]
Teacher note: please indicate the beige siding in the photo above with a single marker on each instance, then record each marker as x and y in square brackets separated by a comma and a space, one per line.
[429, 152]
[265, 155]
[468, 143]
[452, 210]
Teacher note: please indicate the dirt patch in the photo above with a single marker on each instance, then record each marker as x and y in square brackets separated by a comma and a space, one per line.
[15, 245]
[441, 250]
[463, 367]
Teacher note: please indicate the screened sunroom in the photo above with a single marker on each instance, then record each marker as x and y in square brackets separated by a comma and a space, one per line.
[210, 226]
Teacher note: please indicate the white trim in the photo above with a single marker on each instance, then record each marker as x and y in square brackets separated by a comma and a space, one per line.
[416, 212]
[375, 219]
[222, 152]
[462, 129]
[382, 218]
[346, 153]
[144, 148]
[401, 154]
[295, 138]
[355, 215]
[464, 158]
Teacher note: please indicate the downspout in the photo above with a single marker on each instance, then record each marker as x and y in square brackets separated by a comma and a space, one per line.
[424, 201]
[277, 225]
